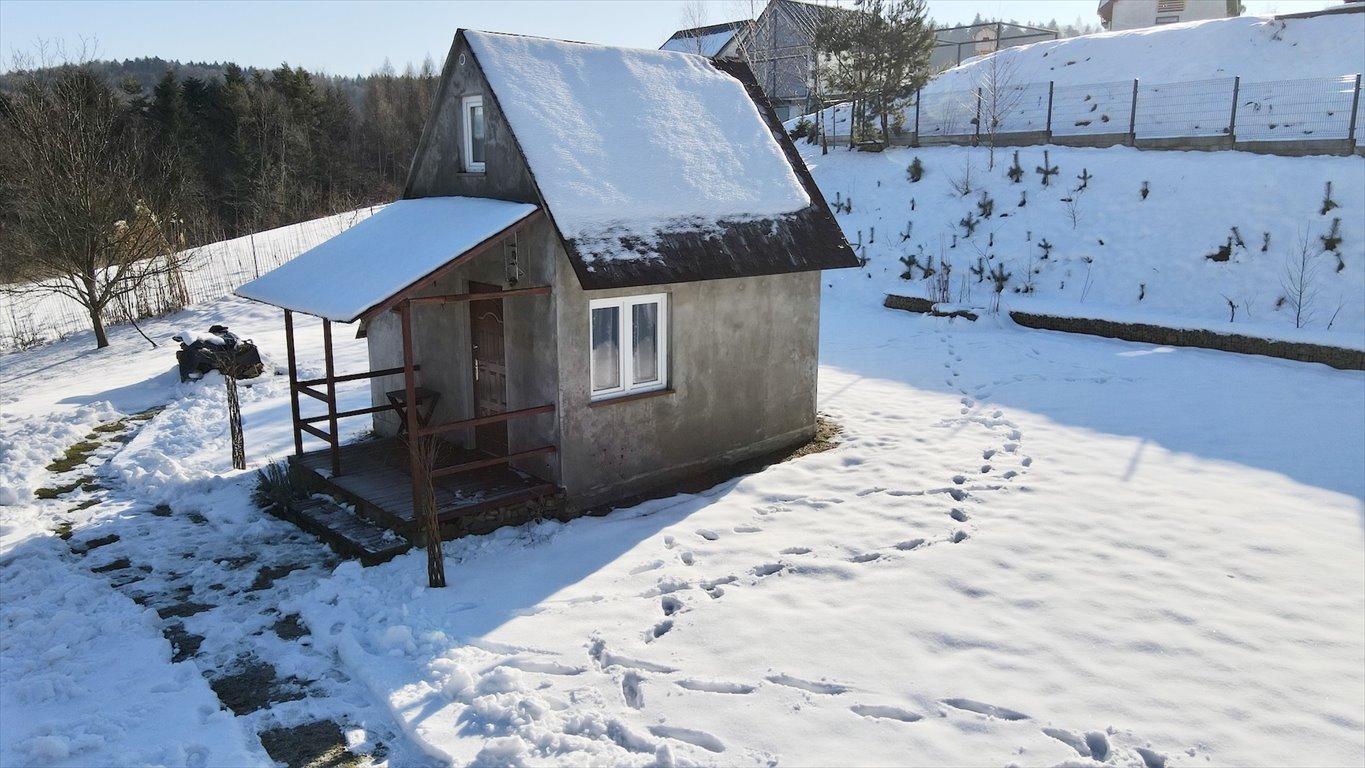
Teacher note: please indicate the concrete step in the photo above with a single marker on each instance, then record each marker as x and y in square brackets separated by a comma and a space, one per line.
[347, 533]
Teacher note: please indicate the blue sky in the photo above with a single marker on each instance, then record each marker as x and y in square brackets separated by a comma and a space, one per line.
[351, 37]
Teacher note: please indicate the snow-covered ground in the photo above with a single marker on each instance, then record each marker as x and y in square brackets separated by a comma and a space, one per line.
[1114, 250]
[1029, 548]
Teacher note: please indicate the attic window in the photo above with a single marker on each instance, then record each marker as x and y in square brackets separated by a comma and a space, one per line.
[629, 345]
[473, 132]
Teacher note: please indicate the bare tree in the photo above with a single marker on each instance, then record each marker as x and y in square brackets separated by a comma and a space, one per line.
[694, 16]
[998, 95]
[1300, 282]
[425, 451]
[91, 216]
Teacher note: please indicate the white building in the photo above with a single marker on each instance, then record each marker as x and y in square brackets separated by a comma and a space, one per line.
[1136, 14]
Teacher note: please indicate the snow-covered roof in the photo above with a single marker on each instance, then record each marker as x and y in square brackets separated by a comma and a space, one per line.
[628, 146]
[705, 41]
[383, 255]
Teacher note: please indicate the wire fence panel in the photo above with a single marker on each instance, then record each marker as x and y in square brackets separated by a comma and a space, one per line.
[1017, 109]
[1290, 110]
[1191, 109]
[1095, 108]
[1360, 115]
[947, 114]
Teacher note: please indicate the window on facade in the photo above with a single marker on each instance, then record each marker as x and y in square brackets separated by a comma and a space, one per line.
[1170, 6]
[629, 345]
[473, 133]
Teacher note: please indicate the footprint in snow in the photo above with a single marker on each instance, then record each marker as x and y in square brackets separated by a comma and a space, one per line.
[1093, 745]
[747, 529]
[659, 630]
[716, 687]
[696, 738]
[985, 468]
[865, 557]
[708, 534]
[959, 479]
[1151, 759]
[906, 546]
[630, 690]
[810, 686]
[796, 551]
[986, 454]
[767, 569]
[1015, 434]
[989, 710]
[687, 558]
[668, 542]
[967, 401]
[884, 712]
[1028, 461]
[958, 515]
[1010, 474]
[670, 605]
[959, 537]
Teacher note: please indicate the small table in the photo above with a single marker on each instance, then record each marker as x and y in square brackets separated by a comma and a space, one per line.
[426, 406]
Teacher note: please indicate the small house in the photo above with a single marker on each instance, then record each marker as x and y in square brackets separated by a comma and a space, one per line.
[714, 41]
[1116, 15]
[603, 277]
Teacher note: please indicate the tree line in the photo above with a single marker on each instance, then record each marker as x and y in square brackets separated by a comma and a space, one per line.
[103, 180]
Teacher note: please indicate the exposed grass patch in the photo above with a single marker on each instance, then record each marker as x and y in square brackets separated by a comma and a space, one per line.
[59, 490]
[87, 504]
[63, 531]
[113, 426]
[314, 745]
[75, 456]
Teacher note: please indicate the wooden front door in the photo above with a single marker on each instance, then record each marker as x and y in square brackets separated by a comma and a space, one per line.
[490, 368]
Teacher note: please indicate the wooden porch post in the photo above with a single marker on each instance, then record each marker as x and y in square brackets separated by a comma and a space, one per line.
[416, 468]
[293, 381]
[331, 396]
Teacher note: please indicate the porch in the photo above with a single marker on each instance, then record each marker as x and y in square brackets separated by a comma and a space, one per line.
[475, 500]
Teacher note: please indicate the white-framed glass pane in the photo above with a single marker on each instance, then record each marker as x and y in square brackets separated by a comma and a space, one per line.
[476, 133]
[606, 348]
[644, 323]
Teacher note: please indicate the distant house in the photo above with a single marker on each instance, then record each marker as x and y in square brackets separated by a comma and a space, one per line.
[954, 45]
[780, 47]
[1118, 15]
[716, 41]
[603, 276]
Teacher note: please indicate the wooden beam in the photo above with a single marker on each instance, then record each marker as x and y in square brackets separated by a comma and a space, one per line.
[293, 380]
[540, 290]
[482, 420]
[417, 473]
[450, 266]
[358, 376]
[330, 367]
[311, 392]
[493, 461]
[348, 414]
[315, 432]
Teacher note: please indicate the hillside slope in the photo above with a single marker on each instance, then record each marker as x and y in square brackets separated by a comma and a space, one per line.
[1211, 230]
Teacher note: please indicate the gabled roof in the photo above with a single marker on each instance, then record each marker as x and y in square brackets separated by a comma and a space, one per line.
[706, 41]
[385, 255]
[656, 166]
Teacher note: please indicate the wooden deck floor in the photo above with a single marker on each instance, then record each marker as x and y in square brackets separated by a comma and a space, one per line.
[375, 473]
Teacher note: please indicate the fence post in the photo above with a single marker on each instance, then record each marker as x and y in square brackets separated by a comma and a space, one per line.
[1132, 117]
[1355, 109]
[1050, 85]
[977, 139]
[917, 102]
[1232, 123]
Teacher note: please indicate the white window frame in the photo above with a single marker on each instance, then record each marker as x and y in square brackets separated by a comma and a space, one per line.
[625, 324]
[467, 131]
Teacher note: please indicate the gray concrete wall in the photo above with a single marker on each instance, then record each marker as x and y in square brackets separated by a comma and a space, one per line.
[741, 376]
[437, 169]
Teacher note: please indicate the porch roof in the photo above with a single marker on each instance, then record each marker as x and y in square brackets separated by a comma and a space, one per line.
[385, 255]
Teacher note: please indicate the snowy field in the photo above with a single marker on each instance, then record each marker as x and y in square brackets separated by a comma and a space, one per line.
[1029, 548]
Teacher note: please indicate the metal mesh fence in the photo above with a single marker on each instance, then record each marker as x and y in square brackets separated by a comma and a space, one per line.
[1291, 110]
[1092, 109]
[947, 113]
[1190, 109]
[1015, 109]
